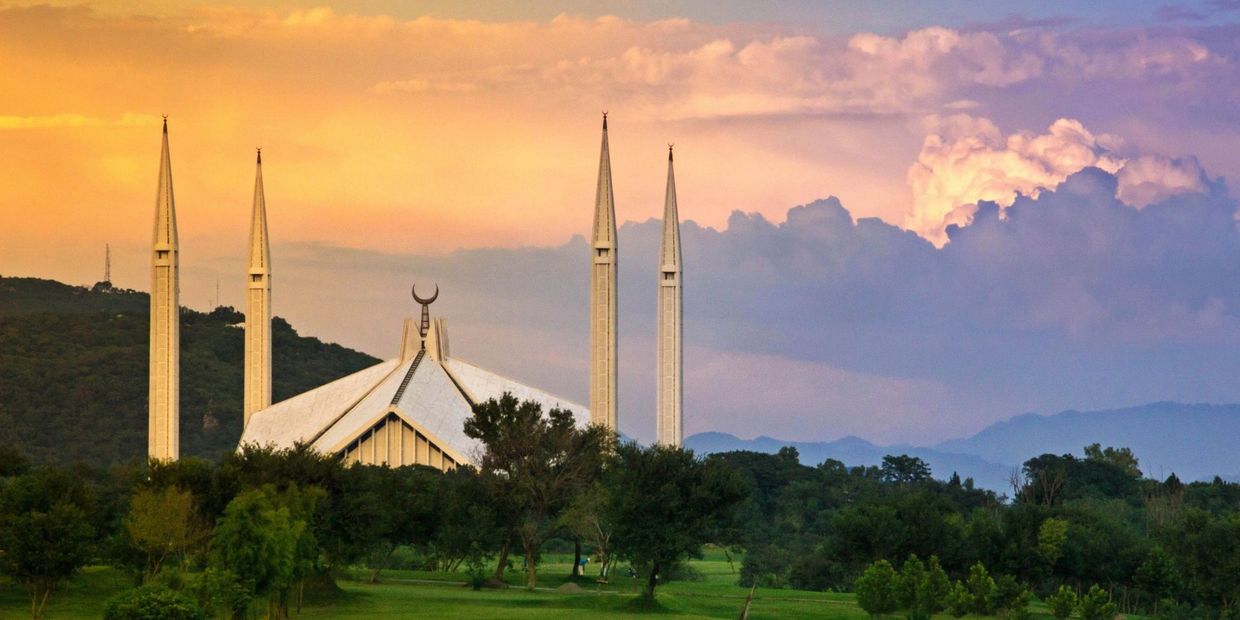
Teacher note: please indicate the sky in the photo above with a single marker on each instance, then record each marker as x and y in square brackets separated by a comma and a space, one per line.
[904, 221]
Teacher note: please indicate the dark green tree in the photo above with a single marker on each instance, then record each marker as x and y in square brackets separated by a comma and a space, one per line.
[905, 469]
[542, 462]
[1062, 603]
[1096, 605]
[1157, 576]
[982, 590]
[261, 541]
[877, 589]
[45, 530]
[41, 549]
[664, 504]
[912, 580]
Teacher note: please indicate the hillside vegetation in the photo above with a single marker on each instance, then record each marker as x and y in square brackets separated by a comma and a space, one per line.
[73, 372]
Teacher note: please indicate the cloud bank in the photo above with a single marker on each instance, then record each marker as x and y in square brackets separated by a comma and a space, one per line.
[824, 325]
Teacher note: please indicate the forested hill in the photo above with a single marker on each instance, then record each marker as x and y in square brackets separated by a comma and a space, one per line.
[73, 372]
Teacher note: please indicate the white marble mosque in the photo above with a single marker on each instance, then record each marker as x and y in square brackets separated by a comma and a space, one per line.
[410, 409]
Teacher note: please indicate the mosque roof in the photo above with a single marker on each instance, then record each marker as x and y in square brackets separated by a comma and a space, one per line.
[425, 387]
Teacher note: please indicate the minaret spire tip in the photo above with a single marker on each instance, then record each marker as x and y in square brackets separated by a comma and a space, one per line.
[165, 123]
[669, 151]
[604, 120]
[260, 153]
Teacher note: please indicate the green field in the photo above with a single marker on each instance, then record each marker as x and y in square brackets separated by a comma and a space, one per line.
[418, 594]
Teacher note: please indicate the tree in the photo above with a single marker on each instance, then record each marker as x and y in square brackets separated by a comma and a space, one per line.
[982, 590]
[932, 595]
[1062, 602]
[904, 469]
[261, 542]
[1052, 535]
[41, 549]
[1096, 605]
[541, 462]
[1157, 576]
[470, 524]
[45, 531]
[12, 461]
[876, 589]
[1206, 548]
[959, 601]
[162, 523]
[1122, 458]
[1011, 597]
[587, 518]
[911, 580]
[664, 504]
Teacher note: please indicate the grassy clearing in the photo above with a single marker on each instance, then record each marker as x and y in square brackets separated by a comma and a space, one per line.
[422, 594]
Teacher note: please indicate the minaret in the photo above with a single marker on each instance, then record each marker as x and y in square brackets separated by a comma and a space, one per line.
[603, 297]
[258, 306]
[163, 436]
[671, 366]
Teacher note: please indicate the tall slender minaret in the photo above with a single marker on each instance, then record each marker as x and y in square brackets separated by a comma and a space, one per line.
[671, 366]
[163, 436]
[258, 306]
[603, 297]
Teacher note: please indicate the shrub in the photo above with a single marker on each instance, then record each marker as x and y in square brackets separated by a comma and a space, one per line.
[151, 603]
[912, 578]
[959, 601]
[876, 589]
[815, 571]
[1062, 602]
[982, 589]
[1096, 605]
[1011, 597]
[932, 596]
[764, 565]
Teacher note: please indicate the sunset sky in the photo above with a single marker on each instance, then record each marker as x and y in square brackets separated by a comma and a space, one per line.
[459, 142]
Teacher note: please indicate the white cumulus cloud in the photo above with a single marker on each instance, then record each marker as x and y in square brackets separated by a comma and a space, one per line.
[966, 159]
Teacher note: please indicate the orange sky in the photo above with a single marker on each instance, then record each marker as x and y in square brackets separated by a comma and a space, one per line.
[419, 133]
[388, 134]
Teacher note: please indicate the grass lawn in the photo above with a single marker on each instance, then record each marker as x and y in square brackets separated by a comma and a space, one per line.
[419, 594]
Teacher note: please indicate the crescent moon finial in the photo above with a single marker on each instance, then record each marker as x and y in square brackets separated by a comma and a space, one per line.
[425, 302]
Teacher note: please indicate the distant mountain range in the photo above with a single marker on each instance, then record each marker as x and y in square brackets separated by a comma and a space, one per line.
[1192, 441]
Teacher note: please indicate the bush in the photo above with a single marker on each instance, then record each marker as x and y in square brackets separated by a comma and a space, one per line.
[932, 596]
[912, 579]
[1011, 597]
[876, 589]
[815, 571]
[1062, 602]
[959, 601]
[1096, 605]
[765, 565]
[151, 603]
[982, 589]
[1169, 609]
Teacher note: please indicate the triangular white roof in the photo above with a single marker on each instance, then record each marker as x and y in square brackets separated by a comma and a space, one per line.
[433, 395]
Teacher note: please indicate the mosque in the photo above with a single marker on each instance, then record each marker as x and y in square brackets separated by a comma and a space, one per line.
[410, 409]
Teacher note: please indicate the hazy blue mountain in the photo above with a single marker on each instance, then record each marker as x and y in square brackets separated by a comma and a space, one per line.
[1193, 441]
[856, 451]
